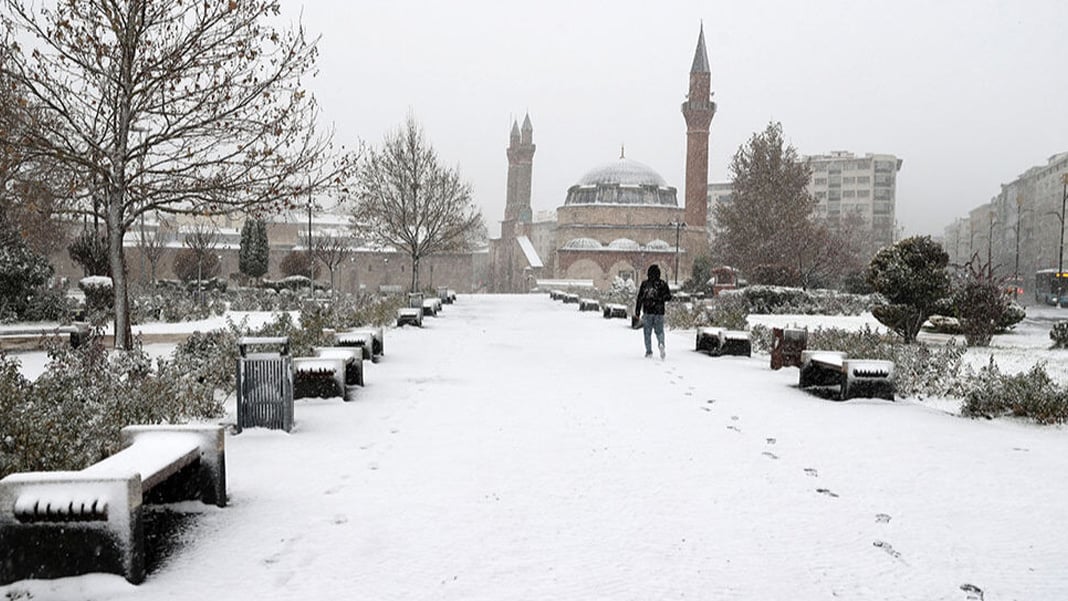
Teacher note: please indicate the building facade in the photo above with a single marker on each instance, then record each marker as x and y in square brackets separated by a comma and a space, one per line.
[1021, 229]
[857, 191]
[619, 218]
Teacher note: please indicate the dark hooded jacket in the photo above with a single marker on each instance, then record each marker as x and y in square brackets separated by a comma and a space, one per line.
[652, 294]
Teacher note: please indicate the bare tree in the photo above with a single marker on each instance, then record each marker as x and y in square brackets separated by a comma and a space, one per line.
[405, 199]
[202, 241]
[180, 107]
[332, 250]
[152, 244]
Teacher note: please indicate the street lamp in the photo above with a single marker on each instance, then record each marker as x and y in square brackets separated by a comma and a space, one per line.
[678, 225]
[1060, 253]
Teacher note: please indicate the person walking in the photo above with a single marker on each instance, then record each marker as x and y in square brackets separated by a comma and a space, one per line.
[652, 295]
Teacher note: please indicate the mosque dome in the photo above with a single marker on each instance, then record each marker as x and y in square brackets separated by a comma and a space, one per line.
[583, 244]
[658, 245]
[623, 181]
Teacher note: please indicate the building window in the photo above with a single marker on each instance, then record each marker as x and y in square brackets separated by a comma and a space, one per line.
[863, 193]
[849, 194]
[863, 179]
[820, 181]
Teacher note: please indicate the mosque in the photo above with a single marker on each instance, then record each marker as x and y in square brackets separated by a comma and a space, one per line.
[616, 220]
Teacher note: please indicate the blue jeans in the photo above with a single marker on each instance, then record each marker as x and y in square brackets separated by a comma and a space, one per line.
[652, 323]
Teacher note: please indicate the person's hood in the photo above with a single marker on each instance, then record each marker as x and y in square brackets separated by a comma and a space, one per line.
[654, 272]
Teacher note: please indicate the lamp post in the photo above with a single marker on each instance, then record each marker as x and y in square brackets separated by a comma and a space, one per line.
[1016, 268]
[1060, 253]
[678, 225]
[311, 259]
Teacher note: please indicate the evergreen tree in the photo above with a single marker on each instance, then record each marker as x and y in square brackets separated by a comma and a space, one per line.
[254, 253]
[912, 276]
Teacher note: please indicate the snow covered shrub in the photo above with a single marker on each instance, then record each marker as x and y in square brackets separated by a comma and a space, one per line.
[22, 274]
[211, 357]
[90, 251]
[912, 276]
[71, 415]
[729, 309]
[99, 298]
[48, 304]
[760, 337]
[375, 310]
[1031, 394]
[920, 370]
[781, 300]
[622, 292]
[1059, 334]
[684, 316]
[13, 389]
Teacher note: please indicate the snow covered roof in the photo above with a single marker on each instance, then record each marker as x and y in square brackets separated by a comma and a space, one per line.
[528, 251]
[582, 244]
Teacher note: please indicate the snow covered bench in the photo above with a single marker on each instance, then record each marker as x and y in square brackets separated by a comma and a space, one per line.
[556, 294]
[589, 304]
[78, 332]
[431, 306]
[720, 341]
[323, 376]
[371, 340]
[870, 378]
[614, 310]
[58, 524]
[447, 295]
[409, 316]
[570, 298]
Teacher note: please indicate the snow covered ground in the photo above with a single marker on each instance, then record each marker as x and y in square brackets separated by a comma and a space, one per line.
[515, 448]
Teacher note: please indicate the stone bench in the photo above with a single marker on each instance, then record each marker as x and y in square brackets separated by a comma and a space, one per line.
[570, 298]
[372, 340]
[409, 316]
[324, 376]
[870, 378]
[59, 524]
[432, 306]
[77, 332]
[447, 295]
[589, 304]
[719, 341]
[612, 310]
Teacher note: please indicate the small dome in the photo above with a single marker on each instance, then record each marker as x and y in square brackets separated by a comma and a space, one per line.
[624, 244]
[658, 245]
[583, 244]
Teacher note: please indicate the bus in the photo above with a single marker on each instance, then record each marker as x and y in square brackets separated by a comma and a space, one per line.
[1048, 283]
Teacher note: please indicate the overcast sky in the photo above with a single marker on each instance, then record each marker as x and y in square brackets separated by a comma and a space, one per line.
[968, 93]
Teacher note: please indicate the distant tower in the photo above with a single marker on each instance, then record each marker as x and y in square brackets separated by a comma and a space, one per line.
[520, 171]
[698, 111]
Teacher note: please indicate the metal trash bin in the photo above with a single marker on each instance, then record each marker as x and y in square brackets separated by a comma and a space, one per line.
[786, 347]
[264, 384]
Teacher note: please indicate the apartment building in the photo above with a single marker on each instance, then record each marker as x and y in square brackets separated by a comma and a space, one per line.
[857, 189]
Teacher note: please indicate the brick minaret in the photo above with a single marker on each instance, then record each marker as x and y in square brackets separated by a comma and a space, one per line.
[520, 170]
[698, 111]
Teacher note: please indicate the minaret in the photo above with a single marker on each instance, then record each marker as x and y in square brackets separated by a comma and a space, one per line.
[698, 111]
[520, 171]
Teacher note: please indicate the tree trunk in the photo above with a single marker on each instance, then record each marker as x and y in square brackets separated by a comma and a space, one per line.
[123, 333]
[415, 274]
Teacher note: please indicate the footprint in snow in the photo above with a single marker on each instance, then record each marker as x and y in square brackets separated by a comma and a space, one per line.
[827, 491]
[974, 593]
[882, 518]
[811, 471]
[735, 428]
[770, 440]
[734, 418]
[770, 455]
[709, 409]
[885, 546]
